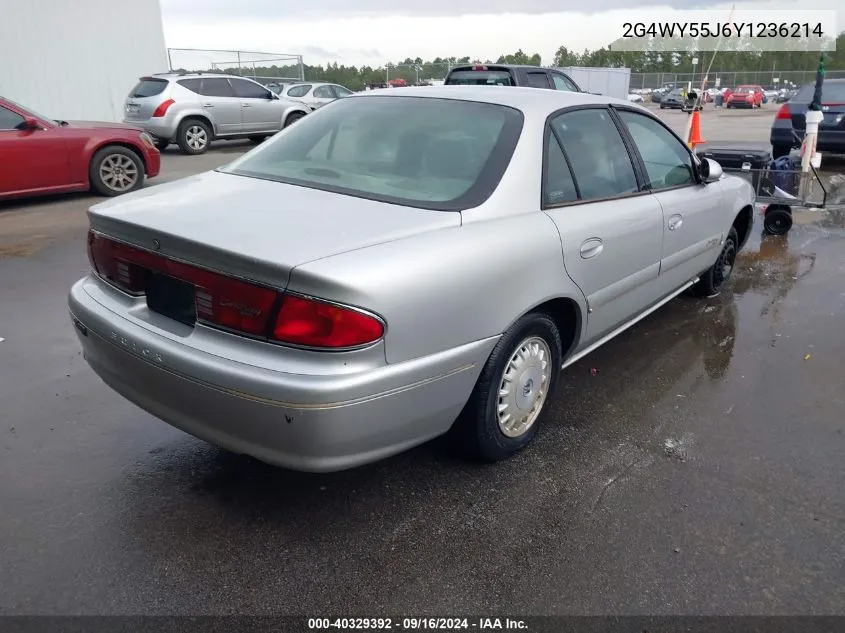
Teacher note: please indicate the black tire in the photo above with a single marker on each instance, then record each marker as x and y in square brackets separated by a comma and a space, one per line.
[293, 117]
[162, 145]
[193, 136]
[779, 151]
[115, 170]
[257, 139]
[662, 107]
[714, 279]
[778, 220]
[477, 431]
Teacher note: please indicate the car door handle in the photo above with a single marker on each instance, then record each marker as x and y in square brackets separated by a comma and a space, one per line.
[675, 222]
[591, 247]
[207, 105]
[246, 105]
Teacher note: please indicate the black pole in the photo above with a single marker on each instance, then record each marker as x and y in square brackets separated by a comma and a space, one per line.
[816, 103]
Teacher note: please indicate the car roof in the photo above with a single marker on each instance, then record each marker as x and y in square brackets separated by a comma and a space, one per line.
[497, 65]
[175, 75]
[534, 100]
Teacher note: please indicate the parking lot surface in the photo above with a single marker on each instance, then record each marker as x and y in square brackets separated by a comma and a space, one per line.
[691, 466]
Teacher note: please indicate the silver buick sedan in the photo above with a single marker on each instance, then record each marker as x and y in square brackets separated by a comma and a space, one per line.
[398, 265]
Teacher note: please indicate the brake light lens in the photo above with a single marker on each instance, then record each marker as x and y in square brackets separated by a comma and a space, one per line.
[313, 323]
[161, 110]
[783, 112]
[479, 67]
[234, 304]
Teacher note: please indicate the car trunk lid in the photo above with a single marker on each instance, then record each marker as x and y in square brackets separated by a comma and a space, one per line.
[144, 98]
[255, 229]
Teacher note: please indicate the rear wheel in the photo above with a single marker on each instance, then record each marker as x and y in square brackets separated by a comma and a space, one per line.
[115, 170]
[162, 145]
[293, 117]
[507, 404]
[193, 136]
[257, 139]
[712, 281]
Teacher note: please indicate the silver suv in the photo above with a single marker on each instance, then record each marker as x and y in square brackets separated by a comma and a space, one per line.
[192, 109]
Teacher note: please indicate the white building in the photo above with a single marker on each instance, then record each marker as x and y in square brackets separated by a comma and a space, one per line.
[78, 59]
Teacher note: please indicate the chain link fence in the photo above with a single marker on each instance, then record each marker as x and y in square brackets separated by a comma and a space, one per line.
[270, 66]
[770, 79]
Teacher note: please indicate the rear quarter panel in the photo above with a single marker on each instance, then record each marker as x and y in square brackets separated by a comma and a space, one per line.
[448, 287]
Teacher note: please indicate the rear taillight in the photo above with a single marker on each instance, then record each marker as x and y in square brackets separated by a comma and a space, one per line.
[313, 323]
[161, 110]
[234, 304]
[783, 112]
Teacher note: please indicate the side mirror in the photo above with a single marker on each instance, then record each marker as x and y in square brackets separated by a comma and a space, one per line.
[29, 124]
[710, 170]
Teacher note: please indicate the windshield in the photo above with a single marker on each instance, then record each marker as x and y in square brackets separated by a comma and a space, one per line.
[33, 113]
[479, 78]
[744, 89]
[441, 154]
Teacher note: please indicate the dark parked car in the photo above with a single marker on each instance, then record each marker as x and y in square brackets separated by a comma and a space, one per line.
[789, 124]
[673, 100]
[40, 155]
[510, 75]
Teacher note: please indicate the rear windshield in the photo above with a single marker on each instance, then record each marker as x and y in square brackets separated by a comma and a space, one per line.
[439, 154]
[479, 78]
[831, 93]
[148, 88]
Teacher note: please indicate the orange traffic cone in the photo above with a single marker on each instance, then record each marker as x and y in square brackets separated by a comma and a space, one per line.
[695, 131]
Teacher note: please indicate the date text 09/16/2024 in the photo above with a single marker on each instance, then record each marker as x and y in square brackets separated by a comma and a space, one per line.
[417, 624]
[760, 30]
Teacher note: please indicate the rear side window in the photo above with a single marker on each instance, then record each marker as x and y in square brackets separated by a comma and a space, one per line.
[148, 88]
[324, 92]
[248, 90]
[538, 80]
[438, 154]
[600, 161]
[216, 88]
[299, 91]
[479, 78]
[191, 84]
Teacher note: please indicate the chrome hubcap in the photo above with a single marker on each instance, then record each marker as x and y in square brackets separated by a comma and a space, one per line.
[118, 172]
[196, 137]
[524, 386]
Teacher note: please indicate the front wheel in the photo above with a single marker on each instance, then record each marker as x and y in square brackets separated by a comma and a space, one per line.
[115, 170]
[507, 404]
[712, 281]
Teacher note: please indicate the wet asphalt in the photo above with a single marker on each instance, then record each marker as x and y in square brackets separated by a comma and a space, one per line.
[694, 465]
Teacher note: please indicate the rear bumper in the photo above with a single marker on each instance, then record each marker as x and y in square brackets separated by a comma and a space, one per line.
[827, 141]
[164, 128]
[315, 423]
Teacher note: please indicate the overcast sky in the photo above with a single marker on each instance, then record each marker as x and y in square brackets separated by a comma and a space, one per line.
[376, 31]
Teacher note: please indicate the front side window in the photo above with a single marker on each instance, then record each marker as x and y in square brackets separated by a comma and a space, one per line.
[667, 161]
[9, 120]
[563, 83]
[431, 153]
[600, 161]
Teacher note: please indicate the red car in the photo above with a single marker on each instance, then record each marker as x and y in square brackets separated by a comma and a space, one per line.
[40, 155]
[745, 97]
